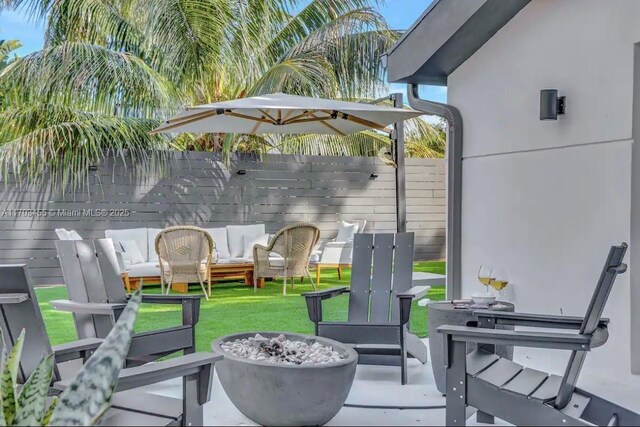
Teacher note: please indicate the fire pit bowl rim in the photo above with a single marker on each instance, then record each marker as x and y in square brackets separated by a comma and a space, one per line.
[347, 351]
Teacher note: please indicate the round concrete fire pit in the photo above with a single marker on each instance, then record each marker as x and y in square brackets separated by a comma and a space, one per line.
[273, 394]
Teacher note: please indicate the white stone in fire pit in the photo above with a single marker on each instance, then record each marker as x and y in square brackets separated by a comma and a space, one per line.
[280, 350]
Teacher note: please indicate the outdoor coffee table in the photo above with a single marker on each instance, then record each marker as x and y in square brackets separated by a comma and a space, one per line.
[443, 313]
[218, 272]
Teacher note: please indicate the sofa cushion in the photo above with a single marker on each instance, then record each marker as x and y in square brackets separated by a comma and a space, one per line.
[346, 231]
[219, 236]
[137, 234]
[235, 237]
[250, 242]
[235, 260]
[145, 269]
[132, 252]
[151, 243]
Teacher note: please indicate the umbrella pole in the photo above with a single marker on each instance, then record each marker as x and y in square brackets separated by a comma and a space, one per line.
[397, 140]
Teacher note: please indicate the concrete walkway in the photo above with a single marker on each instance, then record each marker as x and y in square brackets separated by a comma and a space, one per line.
[380, 386]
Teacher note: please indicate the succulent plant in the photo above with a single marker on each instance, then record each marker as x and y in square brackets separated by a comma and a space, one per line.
[85, 399]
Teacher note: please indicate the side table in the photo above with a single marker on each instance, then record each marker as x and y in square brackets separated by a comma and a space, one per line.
[443, 313]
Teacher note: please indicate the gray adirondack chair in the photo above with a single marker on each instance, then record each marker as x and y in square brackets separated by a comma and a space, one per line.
[97, 298]
[522, 396]
[380, 300]
[19, 310]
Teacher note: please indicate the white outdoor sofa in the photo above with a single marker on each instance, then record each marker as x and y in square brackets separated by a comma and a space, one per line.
[136, 246]
[136, 252]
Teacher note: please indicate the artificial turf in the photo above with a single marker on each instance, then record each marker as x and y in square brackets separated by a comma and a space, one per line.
[234, 308]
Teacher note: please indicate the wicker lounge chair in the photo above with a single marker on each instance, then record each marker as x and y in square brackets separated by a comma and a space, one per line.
[184, 254]
[294, 244]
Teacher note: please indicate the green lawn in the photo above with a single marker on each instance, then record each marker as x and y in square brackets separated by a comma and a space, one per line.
[234, 308]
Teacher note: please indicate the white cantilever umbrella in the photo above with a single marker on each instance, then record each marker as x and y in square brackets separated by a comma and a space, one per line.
[280, 113]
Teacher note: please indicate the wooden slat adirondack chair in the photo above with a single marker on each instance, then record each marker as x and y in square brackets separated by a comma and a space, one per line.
[19, 310]
[97, 298]
[522, 396]
[380, 300]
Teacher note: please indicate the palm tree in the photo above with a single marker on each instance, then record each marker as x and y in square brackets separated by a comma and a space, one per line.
[111, 70]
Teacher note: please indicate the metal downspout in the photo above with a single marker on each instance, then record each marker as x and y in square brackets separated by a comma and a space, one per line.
[454, 184]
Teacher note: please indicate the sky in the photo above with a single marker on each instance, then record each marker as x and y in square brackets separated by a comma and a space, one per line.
[400, 14]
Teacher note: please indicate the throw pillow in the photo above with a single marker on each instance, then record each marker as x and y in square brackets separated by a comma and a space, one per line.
[346, 231]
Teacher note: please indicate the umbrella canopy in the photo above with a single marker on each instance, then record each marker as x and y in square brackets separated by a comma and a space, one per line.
[280, 113]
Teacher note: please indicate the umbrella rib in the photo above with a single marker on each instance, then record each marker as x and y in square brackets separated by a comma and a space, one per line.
[246, 117]
[266, 113]
[363, 122]
[307, 113]
[323, 122]
[192, 116]
[191, 119]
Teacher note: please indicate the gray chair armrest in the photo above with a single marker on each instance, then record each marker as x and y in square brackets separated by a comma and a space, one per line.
[170, 299]
[152, 373]
[156, 372]
[535, 320]
[106, 309]
[517, 338]
[326, 294]
[414, 293]
[76, 350]
[314, 301]
[406, 298]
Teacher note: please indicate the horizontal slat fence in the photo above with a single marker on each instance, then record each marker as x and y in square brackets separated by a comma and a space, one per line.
[201, 189]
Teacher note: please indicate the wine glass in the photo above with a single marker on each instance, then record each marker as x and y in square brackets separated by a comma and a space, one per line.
[485, 276]
[499, 281]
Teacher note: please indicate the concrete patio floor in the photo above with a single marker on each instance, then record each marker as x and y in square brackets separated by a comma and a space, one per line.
[380, 386]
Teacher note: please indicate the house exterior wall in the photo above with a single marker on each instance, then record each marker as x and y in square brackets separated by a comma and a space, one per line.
[547, 198]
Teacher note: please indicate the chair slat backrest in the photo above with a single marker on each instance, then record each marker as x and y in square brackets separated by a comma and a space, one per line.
[382, 266]
[15, 279]
[91, 274]
[612, 267]
[360, 278]
[381, 278]
[402, 270]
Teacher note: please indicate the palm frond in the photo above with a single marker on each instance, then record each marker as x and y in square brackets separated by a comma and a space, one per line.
[48, 141]
[90, 77]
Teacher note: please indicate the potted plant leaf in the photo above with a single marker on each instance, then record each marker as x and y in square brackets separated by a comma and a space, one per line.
[86, 398]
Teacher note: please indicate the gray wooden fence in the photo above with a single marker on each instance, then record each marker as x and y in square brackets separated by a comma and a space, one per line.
[200, 189]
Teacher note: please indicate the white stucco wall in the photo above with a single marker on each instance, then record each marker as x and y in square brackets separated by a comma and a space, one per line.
[547, 199]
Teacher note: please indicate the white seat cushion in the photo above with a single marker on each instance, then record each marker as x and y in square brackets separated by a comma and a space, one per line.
[346, 231]
[145, 269]
[131, 252]
[219, 236]
[235, 237]
[235, 260]
[250, 242]
[276, 261]
[137, 234]
[151, 243]
[315, 256]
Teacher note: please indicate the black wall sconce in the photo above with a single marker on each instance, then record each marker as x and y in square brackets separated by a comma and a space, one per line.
[242, 172]
[93, 168]
[373, 177]
[551, 104]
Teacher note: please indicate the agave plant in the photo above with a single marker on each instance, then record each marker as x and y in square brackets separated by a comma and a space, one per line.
[86, 398]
